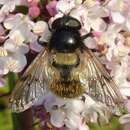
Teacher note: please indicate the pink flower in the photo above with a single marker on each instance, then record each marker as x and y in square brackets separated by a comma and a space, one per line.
[51, 7]
[33, 2]
[34, 11]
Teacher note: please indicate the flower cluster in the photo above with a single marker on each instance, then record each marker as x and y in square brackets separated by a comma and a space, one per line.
[73, 114]
[107, 22]
[18, 34]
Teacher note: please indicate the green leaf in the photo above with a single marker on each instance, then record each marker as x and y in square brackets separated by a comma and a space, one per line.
[12, 78]
[22, 9]
[5, 120]
[42, 2]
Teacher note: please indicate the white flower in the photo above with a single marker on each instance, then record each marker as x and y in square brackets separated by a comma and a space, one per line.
[13, 62]
[78, 104]
[57, 118]
[36, 46]
[51, 101]
[7, 6]
[114, 42]
[90, 18]
[118, 18]
[72, 120]
[73, 113]
[20, 25]
[90, 43]
[65, 6]
[120, 12]
[12, 57]
[83, 127]
[12, 46]
[41, 29]
[120, 72]
[125, 119]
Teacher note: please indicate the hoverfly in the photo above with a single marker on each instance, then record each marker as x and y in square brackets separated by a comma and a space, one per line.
[67, 68]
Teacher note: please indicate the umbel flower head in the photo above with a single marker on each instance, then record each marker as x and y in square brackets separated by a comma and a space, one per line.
[107, 24]
[72, 114]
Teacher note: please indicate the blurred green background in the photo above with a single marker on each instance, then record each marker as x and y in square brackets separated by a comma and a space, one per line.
[5, 113]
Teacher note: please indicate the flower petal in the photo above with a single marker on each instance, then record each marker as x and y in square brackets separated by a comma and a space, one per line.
[83, 127]
[17, 36]
[78, 104]
[57, 118]
[117, 17]
[35, 46]
[97, 12]
[73, 121]
[40, 27]
[12, 20]
[16, 63]
[11, 46]
[51, 7]
[125, 88]
[90, 43]
[65, 5]
[98, 25]
[128, 24]
[125, 119]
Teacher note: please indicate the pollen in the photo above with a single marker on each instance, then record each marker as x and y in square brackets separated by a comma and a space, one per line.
[12, 65]
[3, 52]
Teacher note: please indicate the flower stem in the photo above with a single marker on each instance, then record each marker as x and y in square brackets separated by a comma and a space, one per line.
[24, 120]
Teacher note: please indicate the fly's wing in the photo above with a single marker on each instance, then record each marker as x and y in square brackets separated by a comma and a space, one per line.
[100, 86]
[31, 85]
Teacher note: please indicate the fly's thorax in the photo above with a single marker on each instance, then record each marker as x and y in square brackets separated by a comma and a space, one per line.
[64, 58]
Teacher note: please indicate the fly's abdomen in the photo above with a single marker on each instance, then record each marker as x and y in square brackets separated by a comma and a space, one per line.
[70, 89]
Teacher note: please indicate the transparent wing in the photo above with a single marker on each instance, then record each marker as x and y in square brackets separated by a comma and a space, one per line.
[31, 85]
[100, 86]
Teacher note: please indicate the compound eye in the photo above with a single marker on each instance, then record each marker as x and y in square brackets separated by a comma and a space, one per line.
[66, 21]
[73, 23]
